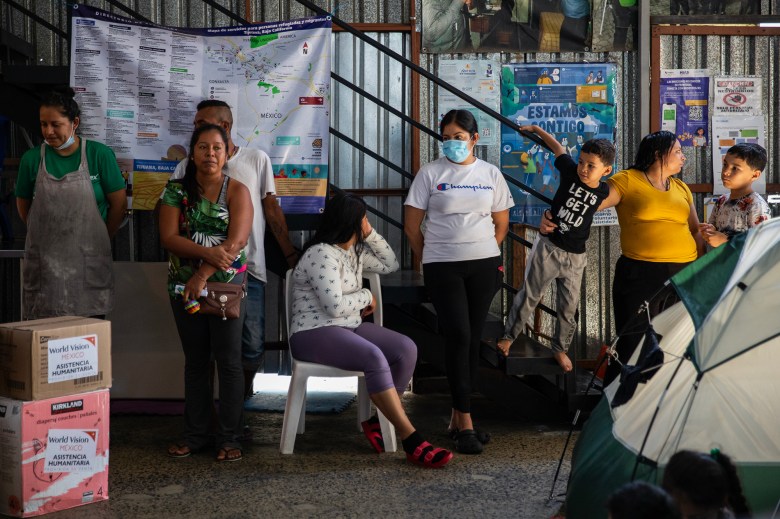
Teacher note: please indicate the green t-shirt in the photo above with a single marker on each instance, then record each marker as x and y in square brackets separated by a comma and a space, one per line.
[208, 226]
[103, 170]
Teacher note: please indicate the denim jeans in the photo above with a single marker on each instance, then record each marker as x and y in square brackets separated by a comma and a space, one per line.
[253, 333]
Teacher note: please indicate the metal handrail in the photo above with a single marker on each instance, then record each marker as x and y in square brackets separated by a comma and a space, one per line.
[22, 9]
[370, 153]
[384, 105]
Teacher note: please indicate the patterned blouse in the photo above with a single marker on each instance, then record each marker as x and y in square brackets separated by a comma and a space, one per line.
[735, 216]
[208, 226]
[328, 281]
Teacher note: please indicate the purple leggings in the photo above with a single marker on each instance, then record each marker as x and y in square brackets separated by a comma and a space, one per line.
[386, 357]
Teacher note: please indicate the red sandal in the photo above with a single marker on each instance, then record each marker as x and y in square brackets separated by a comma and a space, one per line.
[373, 432]
[428, 456]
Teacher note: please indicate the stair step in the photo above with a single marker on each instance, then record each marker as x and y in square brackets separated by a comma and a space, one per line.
[403, 286]
[526, 357]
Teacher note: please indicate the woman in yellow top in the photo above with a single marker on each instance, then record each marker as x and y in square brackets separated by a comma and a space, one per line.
[659, 231]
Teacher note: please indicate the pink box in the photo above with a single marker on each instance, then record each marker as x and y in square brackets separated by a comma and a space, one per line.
[53, 453]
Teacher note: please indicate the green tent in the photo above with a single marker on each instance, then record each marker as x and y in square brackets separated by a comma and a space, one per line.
[718, 386]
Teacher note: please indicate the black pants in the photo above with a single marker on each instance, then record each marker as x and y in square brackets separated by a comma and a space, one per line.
[203, 338]
[636, 282]
[461, 293]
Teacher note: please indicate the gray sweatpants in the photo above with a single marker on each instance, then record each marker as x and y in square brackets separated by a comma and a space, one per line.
[546, 263]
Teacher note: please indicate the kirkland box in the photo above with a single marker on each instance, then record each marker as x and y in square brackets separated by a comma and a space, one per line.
[54, 357]
[53, 453]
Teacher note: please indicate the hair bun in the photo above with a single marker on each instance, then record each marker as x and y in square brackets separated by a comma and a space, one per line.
[65, 91]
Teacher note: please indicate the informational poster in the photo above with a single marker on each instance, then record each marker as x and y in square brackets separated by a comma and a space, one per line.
[684, 97]
[574, 102]
[138, 86]
[480, 80]
[463, 26]
[729, 130]
[737, 95]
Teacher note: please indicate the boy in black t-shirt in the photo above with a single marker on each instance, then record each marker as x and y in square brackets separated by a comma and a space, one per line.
[560, 256]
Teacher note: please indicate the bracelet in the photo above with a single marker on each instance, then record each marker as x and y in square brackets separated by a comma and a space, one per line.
[205, 280]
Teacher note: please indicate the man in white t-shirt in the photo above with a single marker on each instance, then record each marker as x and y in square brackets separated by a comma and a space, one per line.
[251, 167]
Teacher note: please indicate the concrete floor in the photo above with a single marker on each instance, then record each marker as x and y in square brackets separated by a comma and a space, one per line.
[334, 472]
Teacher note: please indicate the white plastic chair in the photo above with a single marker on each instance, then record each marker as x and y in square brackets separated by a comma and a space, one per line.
[295, 408]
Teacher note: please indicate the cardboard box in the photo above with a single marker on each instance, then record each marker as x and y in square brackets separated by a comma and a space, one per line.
[53, 357]
[53, 453]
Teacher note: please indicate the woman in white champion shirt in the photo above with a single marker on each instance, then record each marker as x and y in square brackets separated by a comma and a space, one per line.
[464, 203]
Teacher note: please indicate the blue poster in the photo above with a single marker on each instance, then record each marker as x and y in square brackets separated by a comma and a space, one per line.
[573, 101]
[685, 97]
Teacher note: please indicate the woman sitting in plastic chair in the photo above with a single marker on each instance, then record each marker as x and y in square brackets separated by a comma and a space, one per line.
[328, 304]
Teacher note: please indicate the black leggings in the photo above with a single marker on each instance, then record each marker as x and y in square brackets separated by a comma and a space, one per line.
[461, 292]
[635, 282]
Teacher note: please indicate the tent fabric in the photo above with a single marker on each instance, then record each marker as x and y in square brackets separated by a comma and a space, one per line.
[650, 358]
[718, 387]
[700, 284]
[745, 317]
[598, 462]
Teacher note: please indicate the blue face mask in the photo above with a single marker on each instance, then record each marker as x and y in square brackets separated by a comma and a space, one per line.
[67, 144]
[456, 151]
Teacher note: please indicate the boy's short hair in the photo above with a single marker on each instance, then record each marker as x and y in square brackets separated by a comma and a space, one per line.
[641, 500]
[753, 154]
[602, 148]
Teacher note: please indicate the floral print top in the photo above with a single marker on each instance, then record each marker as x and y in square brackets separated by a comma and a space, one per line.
[328, 283]
[208, 226]
[735, 216]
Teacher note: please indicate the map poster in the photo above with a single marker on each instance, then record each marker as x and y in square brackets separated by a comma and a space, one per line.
[478, 79]
[733, 95]
[138, 86]
[684, 98]
[572, 101]
[728, 130]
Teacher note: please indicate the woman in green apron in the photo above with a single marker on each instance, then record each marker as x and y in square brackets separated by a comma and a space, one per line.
[71, 195]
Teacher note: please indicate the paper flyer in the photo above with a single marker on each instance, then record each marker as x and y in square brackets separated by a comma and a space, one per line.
[737, 95]
[480, 80]
[728, 131]
[684, 98]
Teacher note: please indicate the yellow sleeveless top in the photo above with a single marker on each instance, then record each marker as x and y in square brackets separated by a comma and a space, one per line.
[653, 223]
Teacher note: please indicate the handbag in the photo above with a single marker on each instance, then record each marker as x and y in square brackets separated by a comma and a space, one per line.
[223, 299]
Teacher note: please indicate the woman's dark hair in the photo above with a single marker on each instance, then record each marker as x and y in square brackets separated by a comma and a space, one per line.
[641, 500]
[462, 118]
[341, 220]
[190, 181]
[709, 482]
[653, 147]
[63, 99]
